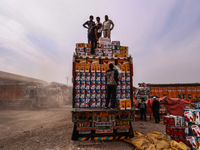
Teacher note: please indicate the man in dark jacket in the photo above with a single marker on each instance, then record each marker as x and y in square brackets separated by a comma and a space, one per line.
[155, 109]
[112, 81]
[142, 106]
[89, 24]
[92, 35]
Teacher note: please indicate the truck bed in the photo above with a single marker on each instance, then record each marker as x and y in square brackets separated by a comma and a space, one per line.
[100, 109]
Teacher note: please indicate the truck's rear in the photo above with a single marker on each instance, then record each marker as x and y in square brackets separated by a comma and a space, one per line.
[91, 120]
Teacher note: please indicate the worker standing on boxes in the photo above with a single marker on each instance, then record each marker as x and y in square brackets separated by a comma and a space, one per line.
[107, 27]
[99, 31]
[89, 24]
[112, 81]
[155, 109]
[93, 37]
[142, 106]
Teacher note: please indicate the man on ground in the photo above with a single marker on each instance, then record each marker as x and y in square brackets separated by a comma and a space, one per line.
[155, 109]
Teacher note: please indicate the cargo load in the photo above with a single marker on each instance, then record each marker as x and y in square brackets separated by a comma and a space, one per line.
[91, 120]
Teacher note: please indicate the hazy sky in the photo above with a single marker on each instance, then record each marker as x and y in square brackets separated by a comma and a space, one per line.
[38, 37]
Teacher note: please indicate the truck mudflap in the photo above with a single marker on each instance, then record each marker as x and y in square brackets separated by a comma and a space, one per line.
[104, 138]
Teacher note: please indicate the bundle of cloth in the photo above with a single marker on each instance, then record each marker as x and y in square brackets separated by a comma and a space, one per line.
[155, 141]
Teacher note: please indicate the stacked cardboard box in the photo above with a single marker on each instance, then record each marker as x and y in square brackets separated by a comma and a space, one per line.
[175, 127]
[106, 48]
[192, 128]
[90, 76]
[83, 49]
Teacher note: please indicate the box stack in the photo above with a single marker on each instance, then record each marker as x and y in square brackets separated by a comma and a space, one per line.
[83, 49]
[175, 127]
[192, 128]
[104, 48]
[90, 75]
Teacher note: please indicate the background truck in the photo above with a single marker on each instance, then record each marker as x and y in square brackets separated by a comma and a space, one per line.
[91, 120]
[187, 91]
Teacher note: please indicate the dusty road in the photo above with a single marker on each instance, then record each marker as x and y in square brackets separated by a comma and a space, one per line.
[51, 129]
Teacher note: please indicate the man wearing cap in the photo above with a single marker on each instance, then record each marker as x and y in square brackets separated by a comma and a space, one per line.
[155, 109]
[112, 81]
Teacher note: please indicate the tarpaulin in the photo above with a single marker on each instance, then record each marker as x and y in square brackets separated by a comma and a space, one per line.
[174, 106]
[155, 141]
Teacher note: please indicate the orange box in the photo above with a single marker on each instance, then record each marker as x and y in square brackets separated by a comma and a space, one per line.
[124, 51]
[80, 45]
[124, 55]
[77, 67]
[108, 61]
[92, 67]
[117, 55]
[124, 48]
[88, 54]
[87, 67]
[80, 61]
[86, 45]
[82, 68]
[121, 104]
[92, 61]
[128, 69]
[98, 68]
[107, 67]
[123, 68]
[128, 104]
[123, 62]
[103, 68]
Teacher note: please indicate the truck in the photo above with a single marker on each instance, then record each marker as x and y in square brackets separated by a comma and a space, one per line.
[91, 120]
[187, 91]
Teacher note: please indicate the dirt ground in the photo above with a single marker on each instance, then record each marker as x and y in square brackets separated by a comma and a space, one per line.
[51, 129]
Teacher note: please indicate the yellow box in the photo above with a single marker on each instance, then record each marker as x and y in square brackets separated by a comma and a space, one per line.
[86, 45]
[93, 66]
[92, 61]
[80, 45]
[128, 104]
[87, 67]
[98, 68]
[121, 104]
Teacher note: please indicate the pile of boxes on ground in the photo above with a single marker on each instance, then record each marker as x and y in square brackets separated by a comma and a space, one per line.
[192, 127]
[185, 129]
[175, 127]
[90, 75]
